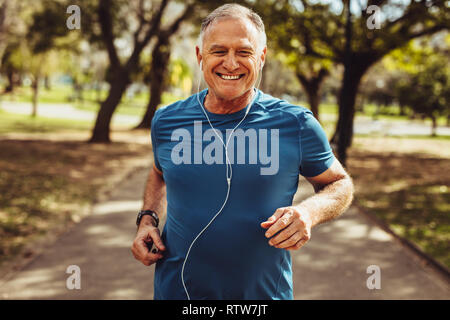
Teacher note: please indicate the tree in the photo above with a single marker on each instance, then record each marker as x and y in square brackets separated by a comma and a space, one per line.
[159, 67]
[148, 26]
[311, 75]
[377, 87]
[310, 71]
[47, 33]
[425, 88]
[4, 10]
[346, 37]
[15, 18]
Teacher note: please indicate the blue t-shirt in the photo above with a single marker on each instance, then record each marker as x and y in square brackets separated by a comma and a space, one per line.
[232, 259]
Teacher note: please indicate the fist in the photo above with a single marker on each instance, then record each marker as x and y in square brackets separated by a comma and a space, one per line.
[288, 228]
[145, 237]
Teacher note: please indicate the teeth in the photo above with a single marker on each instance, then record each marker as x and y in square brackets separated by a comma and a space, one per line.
[229, 77]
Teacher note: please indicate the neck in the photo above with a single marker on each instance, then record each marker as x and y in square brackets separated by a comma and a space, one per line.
[220, 105]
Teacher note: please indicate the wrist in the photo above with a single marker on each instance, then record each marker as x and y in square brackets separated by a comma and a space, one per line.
[150, 216]
[306, 216]
[148, 221]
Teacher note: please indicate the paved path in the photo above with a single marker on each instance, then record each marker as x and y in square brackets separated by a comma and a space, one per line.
[331, 266]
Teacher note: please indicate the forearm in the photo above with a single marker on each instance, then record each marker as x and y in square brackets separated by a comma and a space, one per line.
[154, 196]
[330, 202]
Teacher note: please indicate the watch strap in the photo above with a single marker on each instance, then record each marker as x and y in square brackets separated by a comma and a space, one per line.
[147, 213]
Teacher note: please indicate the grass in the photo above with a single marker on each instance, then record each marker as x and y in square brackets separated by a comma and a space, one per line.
[58, 94]
[410, 191]
[90, 102]
[135, 106]
[10, 122]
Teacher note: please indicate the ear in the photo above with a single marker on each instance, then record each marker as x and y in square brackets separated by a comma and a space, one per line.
[263, 57]
[199, 56]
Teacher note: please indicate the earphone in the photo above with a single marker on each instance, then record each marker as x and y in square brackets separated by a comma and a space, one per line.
[229, 170]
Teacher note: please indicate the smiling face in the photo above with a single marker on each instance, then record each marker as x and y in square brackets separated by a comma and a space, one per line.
[231, 58]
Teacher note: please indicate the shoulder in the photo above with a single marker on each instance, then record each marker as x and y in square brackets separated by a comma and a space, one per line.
[280, 106]
[173, 110]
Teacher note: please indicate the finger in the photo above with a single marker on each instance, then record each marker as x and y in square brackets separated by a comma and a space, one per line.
[152, 257]
[291, 241]
[156, 238]
[142, 253]
[273, 218]
[299, 244]
[267, 224]
[282, 222]
[284, 235]
[148, 243]
[141, 248]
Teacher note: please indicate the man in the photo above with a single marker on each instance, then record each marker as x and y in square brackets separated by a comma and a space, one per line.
[230, 220]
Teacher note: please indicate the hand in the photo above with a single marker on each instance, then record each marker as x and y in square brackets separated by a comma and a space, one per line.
[146, 235]
[292, 228]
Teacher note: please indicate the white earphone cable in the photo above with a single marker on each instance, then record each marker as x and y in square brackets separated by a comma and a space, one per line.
[229, 173]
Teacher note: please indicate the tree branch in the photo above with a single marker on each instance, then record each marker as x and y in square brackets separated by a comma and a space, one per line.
[154, 26]
[107, 31]
[176, 24]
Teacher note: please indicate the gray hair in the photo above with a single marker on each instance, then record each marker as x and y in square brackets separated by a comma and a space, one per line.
[234, 10]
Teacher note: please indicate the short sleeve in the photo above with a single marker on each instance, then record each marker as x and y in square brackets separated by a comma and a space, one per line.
[316, 153]
[154, 134]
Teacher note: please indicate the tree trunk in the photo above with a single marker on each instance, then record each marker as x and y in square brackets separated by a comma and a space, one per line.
[433, 126]
[312, 85]
[343, 134]
[77, 88]
[158, 71]
[10, 74]
[402, 110]
[313, 100]
[47, 84]
[35, 86]
[101, 129]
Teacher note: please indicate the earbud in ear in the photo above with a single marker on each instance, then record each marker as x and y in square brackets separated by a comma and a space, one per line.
[201, 64]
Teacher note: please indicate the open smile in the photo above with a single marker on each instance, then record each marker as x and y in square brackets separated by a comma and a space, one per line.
[230, 77]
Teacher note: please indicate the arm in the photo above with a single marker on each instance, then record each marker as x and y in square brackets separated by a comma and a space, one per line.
[155, 194]
[334, 193]
[147, 233]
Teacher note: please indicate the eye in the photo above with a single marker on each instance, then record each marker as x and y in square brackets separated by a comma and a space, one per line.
[219, 52]
[245, 53]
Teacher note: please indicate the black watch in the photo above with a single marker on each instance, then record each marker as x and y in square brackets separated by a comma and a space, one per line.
[145, 213]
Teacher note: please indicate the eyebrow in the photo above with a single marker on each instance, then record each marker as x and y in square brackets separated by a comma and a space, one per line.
[217, 46]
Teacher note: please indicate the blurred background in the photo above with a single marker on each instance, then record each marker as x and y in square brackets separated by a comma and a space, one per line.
[80, 81]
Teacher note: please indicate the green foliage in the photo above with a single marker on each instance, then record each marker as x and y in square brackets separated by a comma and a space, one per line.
[425, 85]
[46, 26]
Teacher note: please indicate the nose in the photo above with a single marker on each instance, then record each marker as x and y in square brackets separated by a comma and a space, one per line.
[230, 63]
